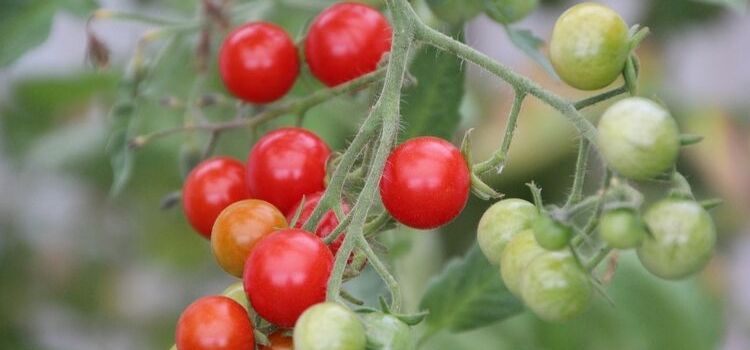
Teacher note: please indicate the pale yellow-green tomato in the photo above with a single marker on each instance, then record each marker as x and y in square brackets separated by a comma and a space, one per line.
[589, 46]
[555, 287]
[500, 223]
[682, 239]
[236, 292]
[519, 253]
[329, 326]
[638, 138]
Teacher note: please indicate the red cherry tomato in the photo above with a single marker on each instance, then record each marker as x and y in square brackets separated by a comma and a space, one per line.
[345, 41]
[214, 323]
[425, 183]
[286, 273]
[285, 165]
[279, 342]
[239, 228]
[209, 188]
[258, 62]
[327, 223]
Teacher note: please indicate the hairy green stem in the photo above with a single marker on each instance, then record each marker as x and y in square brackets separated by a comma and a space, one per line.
[587, 102]
[391, 283]
[580, 174]
[519, 82]
[498, 158]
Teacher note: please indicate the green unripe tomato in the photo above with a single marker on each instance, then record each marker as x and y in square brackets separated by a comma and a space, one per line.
[387, 332]
[519, 252]
[236, 292]
[682, 238]
[509, 11]
[622, 229]
[550, 234]
[638, 138]
[329, 326]
[500, 223]
[455, 11]
[555, 287]
[589, 46]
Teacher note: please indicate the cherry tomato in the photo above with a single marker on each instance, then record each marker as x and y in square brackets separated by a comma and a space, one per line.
[285, 165]
[622, 228]
[327, 223]
[682, 239]
[329, 326]
[500, 223]
[387, 332]
[589, 46]
[425, 183]
[286, 273]
[345, 41]
[509, 11]
[279, 341]
[214, 323]
[239, 228]
[518, 254]
[209, 188]
[638, 138]
[258, 62]
[455, 11]
[550, 234]
[555, 287]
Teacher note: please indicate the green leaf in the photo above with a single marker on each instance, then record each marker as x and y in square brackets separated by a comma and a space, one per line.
[734, 5]
[468, 294]
[530, 44]
[33, 18]
[432, 107]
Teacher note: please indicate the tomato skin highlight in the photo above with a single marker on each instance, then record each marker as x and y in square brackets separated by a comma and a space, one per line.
[210, 187]
[346, 41]
[425, 183]
[214, 323]
[327, 223]
[239, 228]
[286, 273]
[258, 62]
[286, 164]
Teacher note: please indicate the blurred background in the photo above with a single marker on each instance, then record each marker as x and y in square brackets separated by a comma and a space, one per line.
[81, 269]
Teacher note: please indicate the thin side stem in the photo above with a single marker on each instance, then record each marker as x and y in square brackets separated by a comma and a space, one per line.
[576, 191]
[587, 102]
[271, 113]
[498, 158]
[391, 283]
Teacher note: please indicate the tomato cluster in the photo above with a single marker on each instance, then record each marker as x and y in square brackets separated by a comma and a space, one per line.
[259, 62]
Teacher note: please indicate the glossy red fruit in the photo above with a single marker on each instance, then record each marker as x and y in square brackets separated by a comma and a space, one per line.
[425, 183]
[327, 223]
[345, 41]
[209, 188]
[214, 323]
[258, 62]
[286, 164]
[286, 273]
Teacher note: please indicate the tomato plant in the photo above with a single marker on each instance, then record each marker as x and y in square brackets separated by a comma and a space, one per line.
[285, 165]
[258, 62]
[213, 185]
[239, 228]
[420, 171]
[346, 41]
[286, 273]
[293, 279]
[214, 323]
